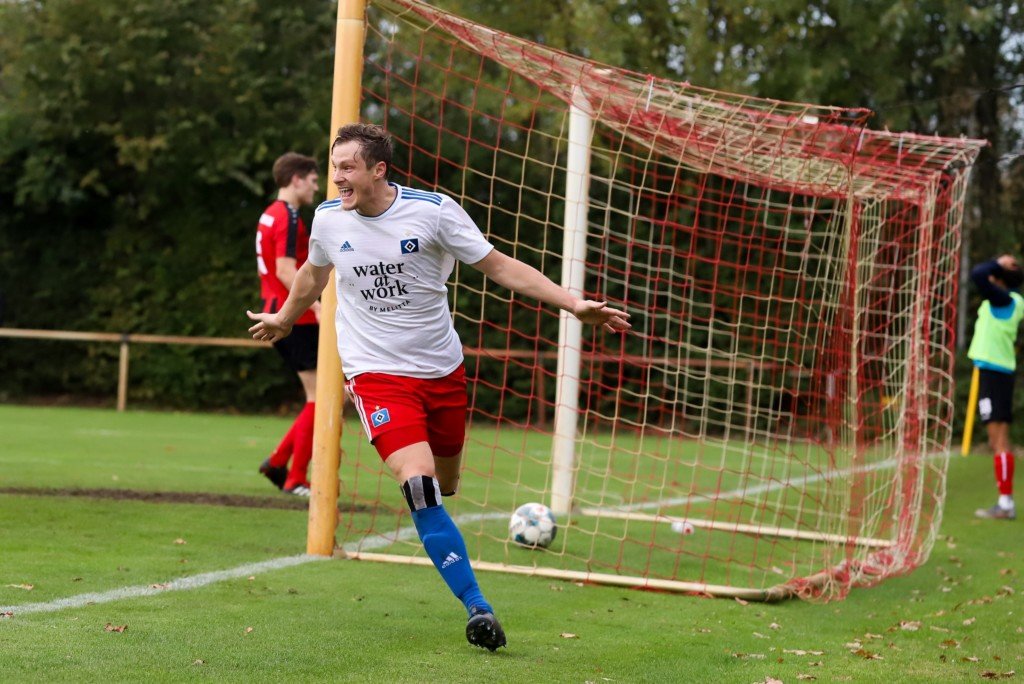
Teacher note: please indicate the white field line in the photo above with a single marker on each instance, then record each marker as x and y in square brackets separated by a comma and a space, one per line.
[383, 540]
[207, 578]
[741, 492]
[181, 584]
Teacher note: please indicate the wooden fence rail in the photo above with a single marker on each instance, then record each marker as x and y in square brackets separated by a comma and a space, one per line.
[124, 340]
[536, 357]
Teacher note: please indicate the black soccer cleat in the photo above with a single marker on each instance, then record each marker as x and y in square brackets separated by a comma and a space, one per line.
[484, 630]
[277, 475]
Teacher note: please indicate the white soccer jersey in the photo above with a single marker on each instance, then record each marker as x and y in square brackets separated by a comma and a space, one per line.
[391, 270]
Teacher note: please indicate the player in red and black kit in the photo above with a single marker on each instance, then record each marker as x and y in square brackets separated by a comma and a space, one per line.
[282, 245]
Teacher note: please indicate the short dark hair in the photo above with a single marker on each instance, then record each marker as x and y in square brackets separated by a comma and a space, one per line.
[375, 144]
[291, 164]
[1013, 278]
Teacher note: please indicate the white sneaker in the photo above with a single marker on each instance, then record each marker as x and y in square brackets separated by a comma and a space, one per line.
[997, 512]
[297, 490]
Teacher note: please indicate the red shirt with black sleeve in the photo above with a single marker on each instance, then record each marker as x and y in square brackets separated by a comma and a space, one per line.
[281, 232]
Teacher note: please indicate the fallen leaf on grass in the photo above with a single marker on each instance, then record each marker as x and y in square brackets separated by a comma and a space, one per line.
[969, 621]
[26, 587]
[114, 628]
[801, 652]
[806, 677]
[775, 625]
[741, 601]
[248, 629]
[853, 645]
[869, 636]
[7, 614]
[937, 629]
[771, 680]
[866, 654]
[179, 541]
[990, 674]
[950, 643]
[251, 578]
[159, 586]
[970, 659]
[910, 625]
[1007, 571]
[198, 661]
[569, 635]
[759, 635]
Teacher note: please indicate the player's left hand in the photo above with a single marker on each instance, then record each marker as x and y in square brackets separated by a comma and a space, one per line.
[599, 313]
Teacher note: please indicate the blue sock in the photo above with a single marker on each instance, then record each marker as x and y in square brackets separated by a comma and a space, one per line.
[443, 542]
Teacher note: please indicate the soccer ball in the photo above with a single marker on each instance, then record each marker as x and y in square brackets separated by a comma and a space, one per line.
[533, 525]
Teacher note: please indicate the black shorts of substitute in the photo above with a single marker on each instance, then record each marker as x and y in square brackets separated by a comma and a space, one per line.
[995, 396]
[299, 349]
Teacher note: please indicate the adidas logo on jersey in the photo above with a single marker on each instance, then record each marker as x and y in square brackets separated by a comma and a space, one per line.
[346, 247]
[451, 558]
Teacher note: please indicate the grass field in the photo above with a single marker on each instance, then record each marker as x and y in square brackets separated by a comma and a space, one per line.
[200, 586]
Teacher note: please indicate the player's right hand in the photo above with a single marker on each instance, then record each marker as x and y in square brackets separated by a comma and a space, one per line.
[268, 328]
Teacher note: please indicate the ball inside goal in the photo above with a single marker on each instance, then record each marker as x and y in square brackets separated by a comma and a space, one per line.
[533, 525]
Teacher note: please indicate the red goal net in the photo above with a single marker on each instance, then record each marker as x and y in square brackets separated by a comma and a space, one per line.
[784, 396]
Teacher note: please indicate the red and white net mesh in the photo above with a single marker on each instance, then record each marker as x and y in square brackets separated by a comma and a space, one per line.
[791, 278]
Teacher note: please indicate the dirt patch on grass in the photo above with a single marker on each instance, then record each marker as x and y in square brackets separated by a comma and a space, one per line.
[283, 502]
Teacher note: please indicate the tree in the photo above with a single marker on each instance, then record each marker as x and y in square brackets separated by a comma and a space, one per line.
[135, 151]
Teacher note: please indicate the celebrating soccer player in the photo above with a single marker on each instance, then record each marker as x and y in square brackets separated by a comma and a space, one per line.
[393, 248]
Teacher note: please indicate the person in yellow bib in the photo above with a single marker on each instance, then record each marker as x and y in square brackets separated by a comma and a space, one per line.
[993, 352]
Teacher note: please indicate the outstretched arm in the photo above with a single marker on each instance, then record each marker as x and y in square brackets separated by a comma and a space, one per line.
[286, 271]
[307, 285]
[526, 280]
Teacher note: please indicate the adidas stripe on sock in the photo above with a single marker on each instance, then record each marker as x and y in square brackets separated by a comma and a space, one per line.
[442, 540]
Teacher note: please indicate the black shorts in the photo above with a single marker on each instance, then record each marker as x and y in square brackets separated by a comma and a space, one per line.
[299, 349]
[995, 396]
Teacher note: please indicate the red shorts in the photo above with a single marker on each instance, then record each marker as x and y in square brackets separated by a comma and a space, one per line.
[397, 411]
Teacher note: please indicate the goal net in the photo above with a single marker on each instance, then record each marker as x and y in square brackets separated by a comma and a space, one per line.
[784, 396]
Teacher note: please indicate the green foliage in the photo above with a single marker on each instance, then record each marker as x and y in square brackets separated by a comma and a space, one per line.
[135, 152]
[136, 144]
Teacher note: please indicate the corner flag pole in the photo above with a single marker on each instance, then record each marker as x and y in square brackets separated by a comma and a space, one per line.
[972, 406]
[345, 99]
